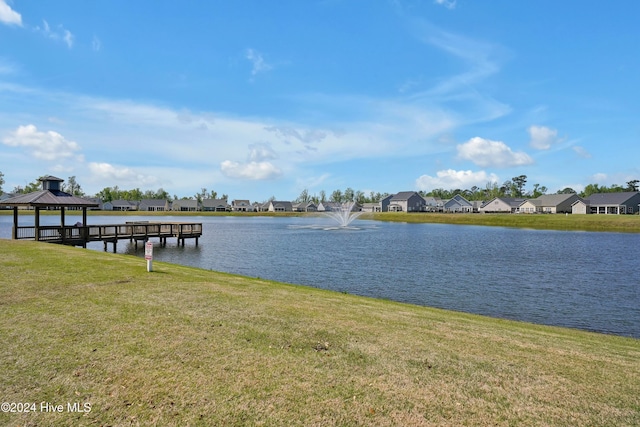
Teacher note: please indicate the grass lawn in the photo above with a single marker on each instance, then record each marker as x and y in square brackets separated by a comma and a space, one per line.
[183, 346]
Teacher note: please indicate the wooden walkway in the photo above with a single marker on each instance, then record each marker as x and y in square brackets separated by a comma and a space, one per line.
[111, 233]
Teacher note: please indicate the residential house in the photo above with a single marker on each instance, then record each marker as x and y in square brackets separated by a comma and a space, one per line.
[185, 205]
[433, 204]
[280, 206]
[119, 205]
[457, 204]
[502, 205]
[549, 203]
[153, 205]
[327, 206]
[241, 206]
[215, 205]
[305, 207]
[609, 203]
[381, 206]
[407, 201]
[98, 201]
[5, 196]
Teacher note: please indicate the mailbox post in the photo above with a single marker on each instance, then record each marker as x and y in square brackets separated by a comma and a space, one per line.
[148, 255]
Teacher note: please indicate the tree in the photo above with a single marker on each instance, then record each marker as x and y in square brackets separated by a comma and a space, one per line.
[631, 185]
[567, 190]
[519, 182]
[72, 187]
[336, 196]
[349, 195]
[1, 182]
[304, 196]
[538, 190]
[323, 196]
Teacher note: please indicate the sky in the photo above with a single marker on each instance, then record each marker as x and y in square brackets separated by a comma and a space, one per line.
[258, 99]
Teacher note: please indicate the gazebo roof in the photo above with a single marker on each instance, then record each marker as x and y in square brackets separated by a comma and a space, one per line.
[48, 198]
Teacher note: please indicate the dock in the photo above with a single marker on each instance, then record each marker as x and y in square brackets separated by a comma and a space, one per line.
[80, 235]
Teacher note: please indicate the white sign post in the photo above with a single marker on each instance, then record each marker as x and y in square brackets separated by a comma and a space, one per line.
[148, 255]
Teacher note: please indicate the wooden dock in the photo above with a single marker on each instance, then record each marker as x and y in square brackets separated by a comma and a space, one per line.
[111, 233]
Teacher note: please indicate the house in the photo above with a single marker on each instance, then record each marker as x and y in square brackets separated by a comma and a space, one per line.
[185, 205]
[215, 205]
[119, 205]
[457, 204]
[549, 203]
[433, 204]
[261, 207]
[153, 205]
[502, 205]
[97, 201]
[280, 206]
[305, 207]
[5, 196]
[328, 206]
[241, 206]
[608, 203]
[407, 201]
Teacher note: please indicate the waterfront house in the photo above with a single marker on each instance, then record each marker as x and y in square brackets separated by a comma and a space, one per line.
[608, 203]
[241, 206]
[305, 207]
[457, 204]
[549, 203]
[433, 204]
[280, 206]
[185, 205]
[119, 205]
[406, 201]
[502, 205]
[153, 205]
[215, 205]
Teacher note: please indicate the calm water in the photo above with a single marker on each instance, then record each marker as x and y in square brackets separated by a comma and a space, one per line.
[576, 279]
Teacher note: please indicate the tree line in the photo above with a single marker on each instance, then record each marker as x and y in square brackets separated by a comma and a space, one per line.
[515, 187]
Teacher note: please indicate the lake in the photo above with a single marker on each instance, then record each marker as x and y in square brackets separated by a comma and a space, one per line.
[584, 280]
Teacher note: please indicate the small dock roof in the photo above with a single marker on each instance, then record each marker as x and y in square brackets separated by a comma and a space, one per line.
[49, 198]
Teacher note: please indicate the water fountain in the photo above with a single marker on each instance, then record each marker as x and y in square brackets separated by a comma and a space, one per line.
[343, 214]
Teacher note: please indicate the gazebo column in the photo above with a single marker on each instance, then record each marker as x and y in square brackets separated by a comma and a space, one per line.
[85, 229]
[62, 232]
[15, 223]
[37, 224]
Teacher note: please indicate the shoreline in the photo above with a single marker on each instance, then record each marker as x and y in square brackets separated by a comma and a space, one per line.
[598, 223]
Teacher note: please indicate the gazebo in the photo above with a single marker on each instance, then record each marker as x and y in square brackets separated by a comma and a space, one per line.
[50, 197]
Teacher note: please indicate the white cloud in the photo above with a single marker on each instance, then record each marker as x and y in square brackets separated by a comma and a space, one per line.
[250, 170]
[9, 16]
[485, 153]
[258, 62]
[452, 179]
[124, 176]
[581, 152]
[260, 152]
[542, 137]
[59, 34]
[42, 145]
[449, 4]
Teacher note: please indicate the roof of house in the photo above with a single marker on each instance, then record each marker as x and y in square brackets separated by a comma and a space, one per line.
[511, 201]
[551, 199]
[121, 202]
[611, 198]
[153, 202]
[404, 195]
[213, 203]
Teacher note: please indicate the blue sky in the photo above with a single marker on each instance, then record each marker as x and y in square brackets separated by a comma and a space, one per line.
[257, 99]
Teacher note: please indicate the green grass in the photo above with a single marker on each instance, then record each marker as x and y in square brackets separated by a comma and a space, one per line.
[616, 223]
[184, 346]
